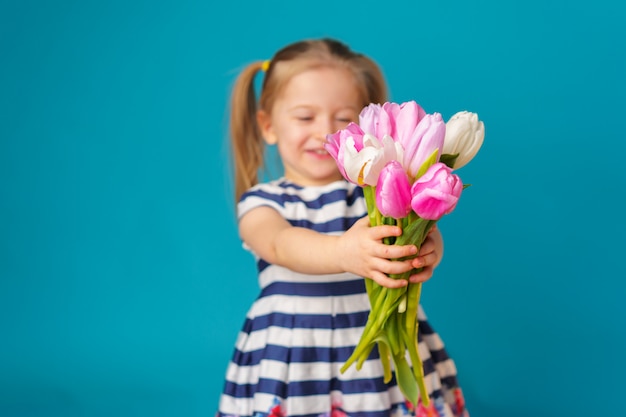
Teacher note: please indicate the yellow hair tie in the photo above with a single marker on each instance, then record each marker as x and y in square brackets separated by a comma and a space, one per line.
[266, 65]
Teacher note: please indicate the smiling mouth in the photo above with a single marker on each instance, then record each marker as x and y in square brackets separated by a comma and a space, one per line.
[319, 151]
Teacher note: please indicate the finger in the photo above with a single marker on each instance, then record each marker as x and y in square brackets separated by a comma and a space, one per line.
[427, 247]
[424, 275]
[380, 232]
[425, 260]
[383, 280]
[395, 251]
[394, 267]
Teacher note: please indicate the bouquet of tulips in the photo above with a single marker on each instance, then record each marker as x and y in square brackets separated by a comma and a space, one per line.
[404, 160]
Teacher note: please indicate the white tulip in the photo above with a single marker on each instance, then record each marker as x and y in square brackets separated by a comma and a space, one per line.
[363, 167]
[464, 135]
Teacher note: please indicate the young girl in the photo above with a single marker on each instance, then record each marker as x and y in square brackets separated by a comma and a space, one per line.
[309, 234]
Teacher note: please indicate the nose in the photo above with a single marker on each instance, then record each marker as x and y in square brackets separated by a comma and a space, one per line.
[324, 127]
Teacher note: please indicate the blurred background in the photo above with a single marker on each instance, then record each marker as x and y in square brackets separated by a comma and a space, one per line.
[123, 283]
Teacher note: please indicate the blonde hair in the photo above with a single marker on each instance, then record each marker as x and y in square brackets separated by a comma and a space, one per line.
[248, 147]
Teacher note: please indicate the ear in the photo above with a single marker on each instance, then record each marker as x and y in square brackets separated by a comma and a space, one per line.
[265, 124]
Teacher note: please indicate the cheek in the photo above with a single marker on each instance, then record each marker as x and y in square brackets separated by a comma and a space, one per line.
[296, 134]
[290, 140]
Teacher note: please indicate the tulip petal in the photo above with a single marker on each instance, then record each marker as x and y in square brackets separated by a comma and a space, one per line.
[393, 191]
[464, 136]
[427, 137]
[407, 119]
[355, 161]
[386, 153]
[436, 192]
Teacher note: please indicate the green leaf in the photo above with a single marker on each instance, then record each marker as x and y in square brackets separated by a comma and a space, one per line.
[385, 358]
[364, 355]
[415, 232]
[412, 347]
[448, 159]
[432, 159]
[405, 378]
[393, 337]
[369, 192]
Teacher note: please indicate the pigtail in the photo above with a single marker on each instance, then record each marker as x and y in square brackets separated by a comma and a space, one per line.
[246, 139]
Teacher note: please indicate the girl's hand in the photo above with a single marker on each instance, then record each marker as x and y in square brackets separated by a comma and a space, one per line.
[429, 256]
[362, 252]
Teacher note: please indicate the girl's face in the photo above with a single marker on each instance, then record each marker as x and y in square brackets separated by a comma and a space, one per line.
[313, 104]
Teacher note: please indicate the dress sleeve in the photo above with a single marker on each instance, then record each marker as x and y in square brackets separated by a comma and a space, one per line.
[261, 195]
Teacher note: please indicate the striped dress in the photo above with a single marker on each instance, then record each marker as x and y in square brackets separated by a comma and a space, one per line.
[302, 328]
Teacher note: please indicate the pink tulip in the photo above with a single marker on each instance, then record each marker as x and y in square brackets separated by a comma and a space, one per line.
[334, 140]
[408, 116]
[436, 192]
[427, 137]
[374, 121]
[393, 119]
[336, 145]
[393, 191]
[388, 116]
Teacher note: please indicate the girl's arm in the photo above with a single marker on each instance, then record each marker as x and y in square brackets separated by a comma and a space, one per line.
[359, 250]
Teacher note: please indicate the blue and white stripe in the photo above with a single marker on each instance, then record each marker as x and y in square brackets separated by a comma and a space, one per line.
[302, 328]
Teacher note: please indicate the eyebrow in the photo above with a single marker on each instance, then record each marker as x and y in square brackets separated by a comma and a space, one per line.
[313, 107]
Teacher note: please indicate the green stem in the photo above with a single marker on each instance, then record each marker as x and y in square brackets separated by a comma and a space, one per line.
[387, 302]
[369, 192]
[411, 328]
[391, 330]
[385, 357]
[364, 355]
[393, 335]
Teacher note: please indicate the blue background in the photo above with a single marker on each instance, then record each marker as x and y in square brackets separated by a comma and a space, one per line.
[123, 283]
